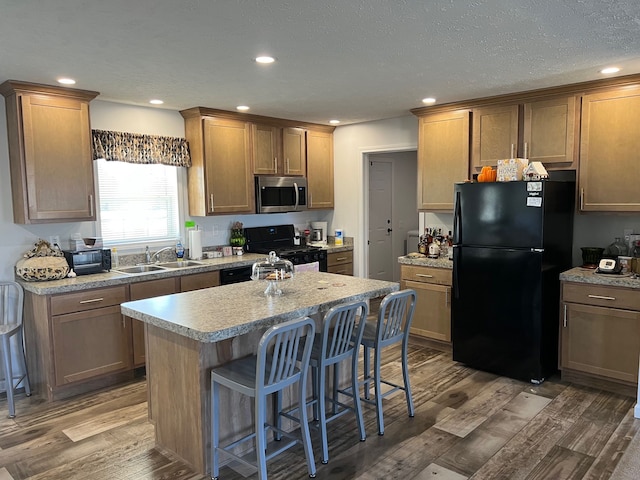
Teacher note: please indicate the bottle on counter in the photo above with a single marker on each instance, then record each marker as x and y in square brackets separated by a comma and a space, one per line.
[617, 248]
[114, 258]
[179, 251]
[636, 250]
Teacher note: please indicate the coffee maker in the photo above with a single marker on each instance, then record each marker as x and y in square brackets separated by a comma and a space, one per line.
[319, 234]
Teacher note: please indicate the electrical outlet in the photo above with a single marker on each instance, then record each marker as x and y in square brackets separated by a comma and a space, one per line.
[54, 240]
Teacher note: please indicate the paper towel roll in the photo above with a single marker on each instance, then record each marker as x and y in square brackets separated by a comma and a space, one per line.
[195, 244]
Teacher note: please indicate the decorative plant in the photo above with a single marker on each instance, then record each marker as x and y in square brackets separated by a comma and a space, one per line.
[237, 235]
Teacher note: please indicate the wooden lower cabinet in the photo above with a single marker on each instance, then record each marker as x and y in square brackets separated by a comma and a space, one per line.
[90, 344]
[139, 291]
[432, 317]
[340, 262]
[600, 336]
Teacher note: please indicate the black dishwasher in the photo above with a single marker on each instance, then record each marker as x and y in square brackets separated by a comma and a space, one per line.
[235, 275]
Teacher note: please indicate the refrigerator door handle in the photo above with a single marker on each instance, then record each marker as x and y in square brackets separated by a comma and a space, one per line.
[538, 250]
[456, 290]
[457, 225]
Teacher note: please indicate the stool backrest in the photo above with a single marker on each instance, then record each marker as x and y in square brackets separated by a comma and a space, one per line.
[277, 364]
[395, 316]
[11, 303]
[342, 331]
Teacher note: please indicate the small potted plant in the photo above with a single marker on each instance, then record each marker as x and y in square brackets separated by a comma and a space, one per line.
[237, 235]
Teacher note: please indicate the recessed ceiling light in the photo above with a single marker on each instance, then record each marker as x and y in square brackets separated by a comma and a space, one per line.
[334, 122]
[155, 101]
[610, 70]
[242, 108]
[265, 59]
[429, 100]
[66, 81]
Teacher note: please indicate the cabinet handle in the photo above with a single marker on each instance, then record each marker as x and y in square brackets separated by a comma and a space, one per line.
[582, 199]
[564, 322]
[275, 164]
[423, 275]
[91, 205]
[211, 203]
[601, 297]
[340, 258]
[513, 150]
[287, 163]
[93, 300]
[526, 150]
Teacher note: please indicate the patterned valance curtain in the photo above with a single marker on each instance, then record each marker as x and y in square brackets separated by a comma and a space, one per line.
[138, 148]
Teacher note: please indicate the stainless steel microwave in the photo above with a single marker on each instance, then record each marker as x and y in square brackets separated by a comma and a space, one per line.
[280, 194]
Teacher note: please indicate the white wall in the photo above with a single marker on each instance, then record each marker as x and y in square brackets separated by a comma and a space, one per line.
[351, 143]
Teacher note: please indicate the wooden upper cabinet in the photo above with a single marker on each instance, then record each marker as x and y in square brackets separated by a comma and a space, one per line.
[220, 177]
[320, 169]
[49, 151]
[278, 151]
[495, 135]
[443, 158]
[609, 147]
[540, 130]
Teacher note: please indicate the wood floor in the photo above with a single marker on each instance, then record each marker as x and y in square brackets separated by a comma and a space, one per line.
[467, 424]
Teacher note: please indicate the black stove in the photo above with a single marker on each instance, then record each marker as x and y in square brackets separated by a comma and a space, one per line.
[281, 239]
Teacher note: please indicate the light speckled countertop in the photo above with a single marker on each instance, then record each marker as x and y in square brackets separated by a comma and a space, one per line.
[441, 262]
[214, 314]
[112, 278]
[586, 275]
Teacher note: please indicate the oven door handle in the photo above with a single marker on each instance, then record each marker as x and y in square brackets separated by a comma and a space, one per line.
[295, 189]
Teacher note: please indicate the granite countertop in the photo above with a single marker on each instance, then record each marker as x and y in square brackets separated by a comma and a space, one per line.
[441, 262]
[587, 275]
[114, 278]
[214, 314]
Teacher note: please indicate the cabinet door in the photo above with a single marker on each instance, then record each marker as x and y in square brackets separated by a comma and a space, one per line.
[443, 158]
[294, 151]
[601, 341]
[432, 316]
[550, 132]
[609, 146]
[139, 291]
[320, 169]
[90, 344]
[495, 135]
[265, 149]
[229, 180]
[198, 281]
[57, 160]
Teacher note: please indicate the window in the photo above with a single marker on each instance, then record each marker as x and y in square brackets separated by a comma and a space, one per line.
[137, 203]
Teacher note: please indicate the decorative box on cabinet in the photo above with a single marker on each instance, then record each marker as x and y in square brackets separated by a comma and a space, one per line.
[75, 339]
[544, 130]
[609, 176]
[49, 149]
[432, 316]
[340, 262]
[279, 150]
[443, 158]
[600, 336]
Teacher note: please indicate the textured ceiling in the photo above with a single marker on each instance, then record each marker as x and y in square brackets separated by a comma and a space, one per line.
[355, 60]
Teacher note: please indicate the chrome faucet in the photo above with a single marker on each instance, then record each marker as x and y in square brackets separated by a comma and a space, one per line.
[153, 258]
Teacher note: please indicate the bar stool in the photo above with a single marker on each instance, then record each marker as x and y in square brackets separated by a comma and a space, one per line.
[342, 329]
[392, 326]
[11, 304]
[272, 369]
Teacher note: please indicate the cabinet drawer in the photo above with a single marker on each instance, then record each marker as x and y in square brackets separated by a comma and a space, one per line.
[339, 258]
[198, 281]
[616, 297]
[153, 288]
[346, 269]
[87, 300]
[440, 276]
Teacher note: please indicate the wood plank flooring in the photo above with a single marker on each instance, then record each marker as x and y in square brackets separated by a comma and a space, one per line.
[468, 425]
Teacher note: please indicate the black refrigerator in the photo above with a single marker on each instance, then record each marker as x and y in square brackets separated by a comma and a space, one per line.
[511, 242]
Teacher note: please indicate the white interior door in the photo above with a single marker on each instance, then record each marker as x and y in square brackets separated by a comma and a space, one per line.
[380, 221]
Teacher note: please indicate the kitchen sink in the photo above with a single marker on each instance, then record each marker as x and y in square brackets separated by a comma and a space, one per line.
[184, 263]
[139, 269]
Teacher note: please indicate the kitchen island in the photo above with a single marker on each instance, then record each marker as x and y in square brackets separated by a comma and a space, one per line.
[189, 333]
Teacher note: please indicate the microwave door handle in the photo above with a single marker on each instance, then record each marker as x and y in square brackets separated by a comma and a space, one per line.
[295, 188]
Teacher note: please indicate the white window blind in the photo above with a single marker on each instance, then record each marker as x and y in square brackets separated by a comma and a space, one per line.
[137, 203]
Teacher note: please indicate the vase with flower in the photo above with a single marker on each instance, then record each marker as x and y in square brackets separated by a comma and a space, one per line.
[237, 235]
